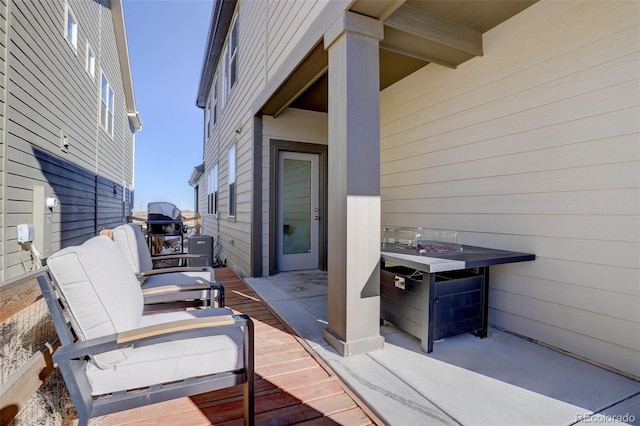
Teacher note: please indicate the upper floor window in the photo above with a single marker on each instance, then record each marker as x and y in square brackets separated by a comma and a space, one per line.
[91, 61]
[214, 103]
[224, 90]
[233, 55]
[212, 196]
[207, 119]
[232, 180]
[71, 27]
[211, 114]
[106, 105]
[230, 64]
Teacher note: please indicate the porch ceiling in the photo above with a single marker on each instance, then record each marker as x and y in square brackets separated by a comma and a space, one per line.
[416, 33]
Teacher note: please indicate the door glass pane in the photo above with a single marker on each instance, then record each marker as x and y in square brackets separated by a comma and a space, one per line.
[296, 206]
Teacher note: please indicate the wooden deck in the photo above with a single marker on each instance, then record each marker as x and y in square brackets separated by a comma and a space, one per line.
[293, 386]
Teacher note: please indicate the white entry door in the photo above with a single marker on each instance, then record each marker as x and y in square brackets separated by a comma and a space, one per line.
[298, 211]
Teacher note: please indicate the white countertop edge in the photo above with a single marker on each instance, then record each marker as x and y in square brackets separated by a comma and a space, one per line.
[435, 264]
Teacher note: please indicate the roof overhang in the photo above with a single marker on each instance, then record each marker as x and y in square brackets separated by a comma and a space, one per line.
[416, 33]
[196, 173]
[117, 16]
[221, 16]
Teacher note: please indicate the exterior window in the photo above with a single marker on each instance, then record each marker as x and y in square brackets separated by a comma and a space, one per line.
[91, 61]
[224, 88]
[229, 65]
[233, 56]
[214, 103]
[125, 200]
[232, 180]
[71, 27]
[207, 119]
[212, 109]
[106, 106]
[212, 197]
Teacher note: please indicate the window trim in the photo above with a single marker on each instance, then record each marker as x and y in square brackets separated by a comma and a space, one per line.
[109, 106]
[90, 61]
[233, 54]
[212, 191]
[214, 102]
[230, 63]
[232, 195]
[224, 96]
[70, 16]
[207, 119]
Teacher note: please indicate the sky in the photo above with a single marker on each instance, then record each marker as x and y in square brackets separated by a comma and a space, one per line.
[166, 41]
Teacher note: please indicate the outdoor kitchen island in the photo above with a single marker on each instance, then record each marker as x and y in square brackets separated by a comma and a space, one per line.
[432, 287]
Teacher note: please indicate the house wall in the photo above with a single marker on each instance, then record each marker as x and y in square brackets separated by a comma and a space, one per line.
[48, 93]
[115, 155]
[3, 57]
[3, 85]
[293, 125]
[534, 147]
[287, 23]
[268, 31]
[234, 126]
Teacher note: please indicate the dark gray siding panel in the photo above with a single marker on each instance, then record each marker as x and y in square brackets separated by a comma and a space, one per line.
[45, 93]
[112, 210]
[88, 203]
[74, 188]
[49, 90]
[114, 154]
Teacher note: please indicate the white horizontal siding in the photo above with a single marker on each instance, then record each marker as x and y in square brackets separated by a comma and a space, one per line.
[535, 147]
[48, 92]
[3, 95]
[287, 23]
[269, 32]
[117, 151]
[235, 126]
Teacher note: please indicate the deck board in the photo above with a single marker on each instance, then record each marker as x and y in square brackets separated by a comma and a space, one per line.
[292, 386]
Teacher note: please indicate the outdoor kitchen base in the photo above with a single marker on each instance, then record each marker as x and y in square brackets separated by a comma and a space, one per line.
[433, 287]
[432, 306]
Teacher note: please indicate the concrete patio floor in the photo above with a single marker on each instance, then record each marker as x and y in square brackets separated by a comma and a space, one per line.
[500, 380]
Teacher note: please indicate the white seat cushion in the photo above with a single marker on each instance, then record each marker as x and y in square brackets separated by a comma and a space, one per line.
[101, 293]
[130, 240]
[171, 361]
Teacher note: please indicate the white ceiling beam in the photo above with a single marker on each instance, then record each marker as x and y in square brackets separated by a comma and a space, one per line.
[429, 27]
[416, 55]
[392, 8]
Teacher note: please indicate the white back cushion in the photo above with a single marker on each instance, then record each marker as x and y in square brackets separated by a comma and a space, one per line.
[100, 292]
[131, 242]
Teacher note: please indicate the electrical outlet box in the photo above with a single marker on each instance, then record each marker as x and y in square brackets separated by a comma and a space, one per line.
[399, 282]
[64, 141]
[26, 233]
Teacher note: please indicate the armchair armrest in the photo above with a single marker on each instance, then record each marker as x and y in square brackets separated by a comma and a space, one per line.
[182, 258]
[177, 269]
[175, 330]
[177, 256]
[174, 288]
[173, 327]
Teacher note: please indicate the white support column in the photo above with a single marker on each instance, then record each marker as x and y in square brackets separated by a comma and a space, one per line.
[354, 185]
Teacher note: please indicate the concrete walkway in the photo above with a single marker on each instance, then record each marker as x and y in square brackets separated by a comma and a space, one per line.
[500, 380]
